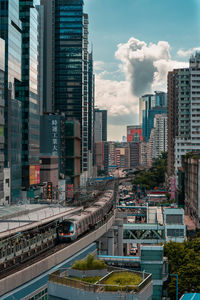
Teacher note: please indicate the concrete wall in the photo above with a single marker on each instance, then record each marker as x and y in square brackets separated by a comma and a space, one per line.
[12, 281]
[69, 293]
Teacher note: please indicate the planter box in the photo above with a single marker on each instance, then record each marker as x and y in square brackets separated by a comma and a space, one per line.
[87, 273]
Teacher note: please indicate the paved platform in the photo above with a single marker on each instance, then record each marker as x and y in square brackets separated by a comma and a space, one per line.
[15, 219]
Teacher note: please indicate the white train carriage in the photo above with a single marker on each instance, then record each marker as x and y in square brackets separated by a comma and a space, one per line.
[72, 228]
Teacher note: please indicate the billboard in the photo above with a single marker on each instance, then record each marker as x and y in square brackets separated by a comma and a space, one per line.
[34, 175]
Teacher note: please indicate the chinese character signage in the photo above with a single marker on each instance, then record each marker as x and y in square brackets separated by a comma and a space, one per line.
[54, 128]
[49, 190]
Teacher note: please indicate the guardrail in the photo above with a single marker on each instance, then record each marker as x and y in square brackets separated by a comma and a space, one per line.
[60, 277]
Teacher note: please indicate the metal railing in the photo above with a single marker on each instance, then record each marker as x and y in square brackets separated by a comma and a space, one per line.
[60, 278]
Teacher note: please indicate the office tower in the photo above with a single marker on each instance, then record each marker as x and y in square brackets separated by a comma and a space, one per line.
[10, 31]
[150, 105]
[40, 9]
[161, 99]
[66, 64]
[172, 92]
[188, 84]
[2, 103]
[100, 125]
[134, 133]
[160, 135]
[29, 94]
[104, 125]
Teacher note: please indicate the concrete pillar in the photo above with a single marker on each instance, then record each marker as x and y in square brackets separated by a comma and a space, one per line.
[111, 242]
[120, 237]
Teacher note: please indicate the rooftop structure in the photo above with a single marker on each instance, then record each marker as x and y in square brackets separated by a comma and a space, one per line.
[114, 285]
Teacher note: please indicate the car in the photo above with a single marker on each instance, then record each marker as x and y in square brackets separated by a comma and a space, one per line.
[133, 251]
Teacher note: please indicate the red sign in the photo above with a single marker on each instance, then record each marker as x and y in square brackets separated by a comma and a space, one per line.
[69, 190]
[37, 174]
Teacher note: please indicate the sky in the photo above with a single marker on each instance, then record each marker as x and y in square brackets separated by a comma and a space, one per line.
[135, 43]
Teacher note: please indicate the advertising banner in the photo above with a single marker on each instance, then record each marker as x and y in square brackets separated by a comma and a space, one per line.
[32, 175]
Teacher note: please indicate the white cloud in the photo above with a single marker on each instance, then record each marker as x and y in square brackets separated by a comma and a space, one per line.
[145, 66]
[99, 65]
[115, 96]
[187, 53]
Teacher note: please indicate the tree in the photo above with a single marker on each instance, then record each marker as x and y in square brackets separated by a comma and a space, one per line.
[184, 260]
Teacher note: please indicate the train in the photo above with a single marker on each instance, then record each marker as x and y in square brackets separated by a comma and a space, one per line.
[90, 218]
[22, 246]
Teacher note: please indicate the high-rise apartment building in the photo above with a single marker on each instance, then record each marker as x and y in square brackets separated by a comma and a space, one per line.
[10, 31]
[186, 92]
[172, 92]
[29, 92]
[91, 96]
[66, 64]
[160, 136]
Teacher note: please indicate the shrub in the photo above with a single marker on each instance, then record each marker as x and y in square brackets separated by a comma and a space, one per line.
[90, 263]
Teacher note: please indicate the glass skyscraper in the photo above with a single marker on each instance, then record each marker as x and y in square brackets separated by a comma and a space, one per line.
[151, 104]
[10, 31]
[28, 92]
[66, 64]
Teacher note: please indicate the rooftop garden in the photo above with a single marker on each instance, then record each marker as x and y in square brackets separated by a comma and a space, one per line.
[126, 281]
[90, 263]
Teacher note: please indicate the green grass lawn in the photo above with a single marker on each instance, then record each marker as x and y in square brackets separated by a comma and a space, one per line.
[122, 279]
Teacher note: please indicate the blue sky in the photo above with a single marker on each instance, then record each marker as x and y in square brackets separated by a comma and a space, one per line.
[147, 22]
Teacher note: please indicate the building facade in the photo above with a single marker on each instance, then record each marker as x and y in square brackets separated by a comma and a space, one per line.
[52, 141]
[66, 64]
[191, 168]
[28, 90]
[134, 133]
[10, 31]
[160, 135]
[150, 105]
[100, 125]
[73, 153]
[188, 138]
[172, 92]
[2, 104]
